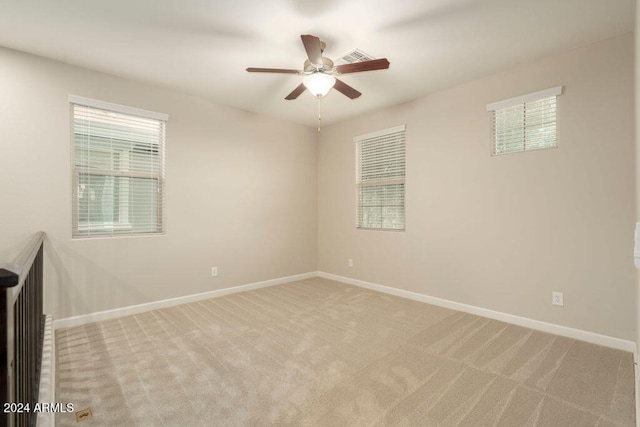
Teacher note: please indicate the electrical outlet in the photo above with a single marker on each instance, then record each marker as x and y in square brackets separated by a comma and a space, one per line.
[350, 262]
[557, 298]
[214, 271]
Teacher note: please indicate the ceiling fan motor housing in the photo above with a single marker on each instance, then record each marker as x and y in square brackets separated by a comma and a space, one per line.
[327, 66]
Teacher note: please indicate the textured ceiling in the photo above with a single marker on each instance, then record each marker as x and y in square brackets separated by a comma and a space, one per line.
[203, 46]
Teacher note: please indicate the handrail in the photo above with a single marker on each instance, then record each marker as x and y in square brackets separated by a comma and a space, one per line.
[14, 274]
[21, 332]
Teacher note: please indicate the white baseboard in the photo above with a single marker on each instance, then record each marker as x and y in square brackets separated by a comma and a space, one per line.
[538, 325]
[637, 386]
[565, 331]
[141, 308]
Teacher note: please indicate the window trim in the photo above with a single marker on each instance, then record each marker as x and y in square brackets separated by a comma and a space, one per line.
[116, 229]
[389, 181]
[118, 108]
[530, 97]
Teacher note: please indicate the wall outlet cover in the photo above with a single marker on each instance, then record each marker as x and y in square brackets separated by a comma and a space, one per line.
[557, 298]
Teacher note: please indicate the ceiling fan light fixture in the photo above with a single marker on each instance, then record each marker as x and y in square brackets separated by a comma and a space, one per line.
[319, 84]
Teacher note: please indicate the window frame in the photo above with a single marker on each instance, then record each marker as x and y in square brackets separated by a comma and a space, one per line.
[125, 227]
[523, 102]
[381, 182]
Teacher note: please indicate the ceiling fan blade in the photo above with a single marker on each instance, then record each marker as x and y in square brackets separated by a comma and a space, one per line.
[346, 90]
[356, 67]
[296, 92]
[272, 70]
[313, 47]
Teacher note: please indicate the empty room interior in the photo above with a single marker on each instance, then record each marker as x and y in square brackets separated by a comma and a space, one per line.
[319, 213]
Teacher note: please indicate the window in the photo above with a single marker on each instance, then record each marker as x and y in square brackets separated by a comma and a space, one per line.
[525, 122]
[380, 170]
[118, 169]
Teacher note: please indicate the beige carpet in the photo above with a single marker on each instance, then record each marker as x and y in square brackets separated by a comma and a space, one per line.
[317, 352]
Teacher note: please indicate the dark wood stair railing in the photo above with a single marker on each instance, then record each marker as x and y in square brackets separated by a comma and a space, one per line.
[21, 334]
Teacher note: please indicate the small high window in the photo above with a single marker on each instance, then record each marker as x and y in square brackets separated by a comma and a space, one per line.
[525, 122]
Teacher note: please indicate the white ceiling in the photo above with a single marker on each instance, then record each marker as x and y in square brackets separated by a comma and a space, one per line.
[204, 46]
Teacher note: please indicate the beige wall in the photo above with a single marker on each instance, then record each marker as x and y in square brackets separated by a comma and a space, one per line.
[503, 232]
[637, 147]
[495, 232]
[241, 192]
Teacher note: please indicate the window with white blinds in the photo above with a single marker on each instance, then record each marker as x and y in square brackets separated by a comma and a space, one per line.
[380, 179]
[525, 123]
[118, 169]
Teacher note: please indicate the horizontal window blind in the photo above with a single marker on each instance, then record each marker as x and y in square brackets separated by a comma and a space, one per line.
[380, 179]
[527, 125]
[118, 171]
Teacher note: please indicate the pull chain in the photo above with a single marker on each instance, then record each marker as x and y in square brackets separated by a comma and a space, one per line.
[319, 113]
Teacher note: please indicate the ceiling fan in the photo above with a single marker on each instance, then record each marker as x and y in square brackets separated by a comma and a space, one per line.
[320, 71]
